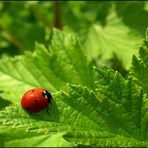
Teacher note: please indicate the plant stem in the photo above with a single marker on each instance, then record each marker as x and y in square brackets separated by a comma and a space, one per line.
[57, 15]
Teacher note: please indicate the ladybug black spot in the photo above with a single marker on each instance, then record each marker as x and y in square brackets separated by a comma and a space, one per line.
[32, 90]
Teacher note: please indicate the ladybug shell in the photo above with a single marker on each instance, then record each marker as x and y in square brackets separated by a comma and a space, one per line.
[36, 100]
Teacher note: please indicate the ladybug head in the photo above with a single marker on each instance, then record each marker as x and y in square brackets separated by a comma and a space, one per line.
[47, 95]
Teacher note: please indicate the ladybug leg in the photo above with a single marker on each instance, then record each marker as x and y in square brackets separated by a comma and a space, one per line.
[48, 112]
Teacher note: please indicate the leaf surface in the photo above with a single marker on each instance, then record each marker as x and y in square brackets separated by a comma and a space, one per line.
[66, 63]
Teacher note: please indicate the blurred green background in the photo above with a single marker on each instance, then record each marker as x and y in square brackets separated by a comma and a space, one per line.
[110, 32]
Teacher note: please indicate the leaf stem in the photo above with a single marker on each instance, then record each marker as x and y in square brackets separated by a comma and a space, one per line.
[57, 15]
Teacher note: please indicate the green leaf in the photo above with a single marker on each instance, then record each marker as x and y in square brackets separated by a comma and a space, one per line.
[109, 28]
[67, 51]
[3, 103]
[109, 39]
[20, 138]
[51, 70]
[122, 100]
[140, 66]
[85, 119]
[97, 107]
[104, 113]
[139, 71]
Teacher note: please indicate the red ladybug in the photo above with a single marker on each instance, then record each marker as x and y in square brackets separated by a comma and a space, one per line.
[36, 100]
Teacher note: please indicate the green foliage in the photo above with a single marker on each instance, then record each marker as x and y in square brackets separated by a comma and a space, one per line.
[140, 66]
[20, 136]
[4, 103]
[92, 105]
[111, 112]
[107, 28]
[50, 70]
[104, 28]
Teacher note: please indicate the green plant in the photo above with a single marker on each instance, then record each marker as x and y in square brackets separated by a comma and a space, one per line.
[93, 105]
[98, 108]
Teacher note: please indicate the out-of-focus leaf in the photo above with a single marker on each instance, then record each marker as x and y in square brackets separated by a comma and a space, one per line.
[110, 29]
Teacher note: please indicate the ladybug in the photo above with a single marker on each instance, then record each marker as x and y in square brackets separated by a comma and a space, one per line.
[35, 100]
